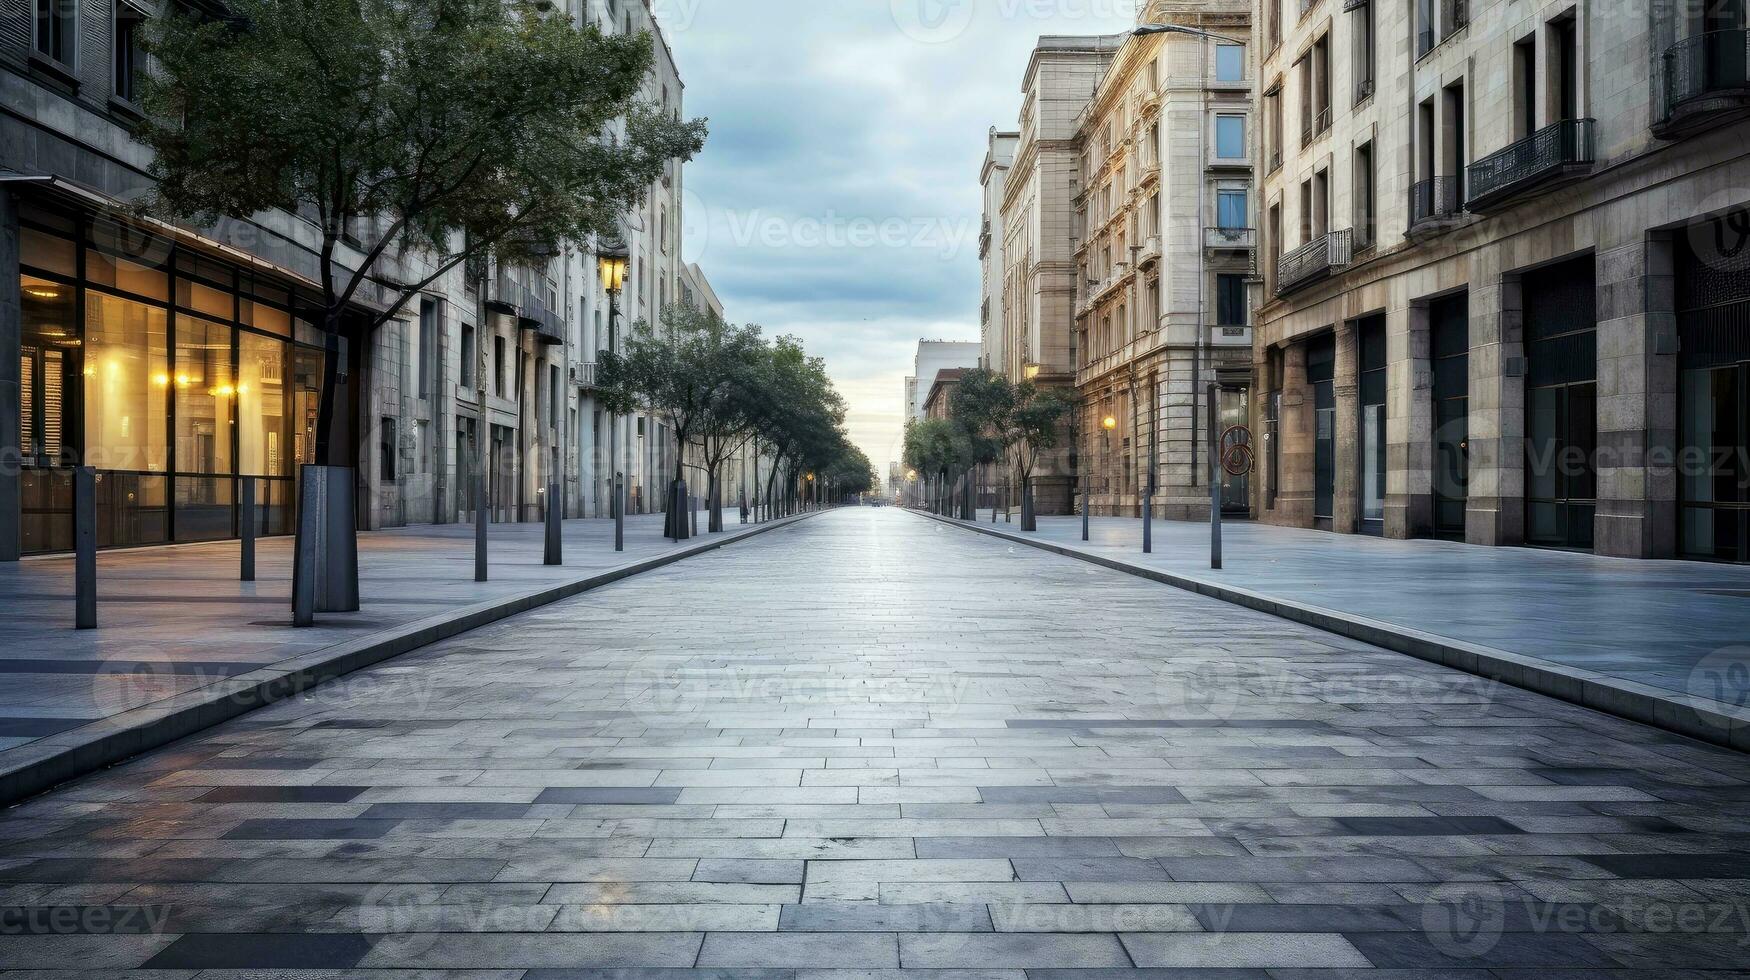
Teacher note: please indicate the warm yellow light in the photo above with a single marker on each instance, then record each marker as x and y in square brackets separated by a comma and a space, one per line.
[161, 380]
[42, 292]
[911, 474]
[811, 478]
[225, 391]
[182, 381]
[613, 270]
[1032, 371]
[1109, 423]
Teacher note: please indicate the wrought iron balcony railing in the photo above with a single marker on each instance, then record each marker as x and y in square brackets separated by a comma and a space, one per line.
[1363, 90]
[1314, 260]
[1559, 151]
[506, 295]
[1704, 77]
[1275, 161]
[1438, 199]
[1222, 238]
[583, 375]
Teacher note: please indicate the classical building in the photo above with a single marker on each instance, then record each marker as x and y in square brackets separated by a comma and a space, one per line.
[1038, 252]
[932, 357]
[1507, 273]
[998, 351]
[1164, 250]
[938, 404]
[178, 359]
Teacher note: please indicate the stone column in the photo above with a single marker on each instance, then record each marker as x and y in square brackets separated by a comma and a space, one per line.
[11, 327]
[1637, 400]
[1409, 424]
[1294, 498]
[1495, 508]
[1346, 503]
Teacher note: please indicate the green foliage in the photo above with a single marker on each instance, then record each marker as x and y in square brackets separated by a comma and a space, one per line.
[450, 126]
[1036, 423]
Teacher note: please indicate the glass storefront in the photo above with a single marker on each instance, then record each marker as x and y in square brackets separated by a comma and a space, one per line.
[171, 374]
[1372, 390]
[1713, 320]
[1561, 393]
[1449, 346]
[1321, 373]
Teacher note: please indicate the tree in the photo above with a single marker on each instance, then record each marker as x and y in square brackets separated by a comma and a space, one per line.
[439, 130]
[937, 448]
[798, 413]
[680, 374]
[1035, 425]
[983, 406]
[732, 410]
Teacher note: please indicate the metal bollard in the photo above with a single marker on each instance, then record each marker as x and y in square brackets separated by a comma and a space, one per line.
[619, 512]
[555, 551]
[693, 512]
[1148, 525]
[1085, 502]
[481, 571]
[1214, 480]
[85, 548]
[246, 528]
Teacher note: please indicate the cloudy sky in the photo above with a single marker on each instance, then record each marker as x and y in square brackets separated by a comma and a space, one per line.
[837, 198]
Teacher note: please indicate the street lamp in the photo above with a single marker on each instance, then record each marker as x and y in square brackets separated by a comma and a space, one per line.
[1148, 29]
[612, 261]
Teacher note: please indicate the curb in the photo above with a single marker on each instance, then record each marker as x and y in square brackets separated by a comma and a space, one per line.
[45, 763]
[1699, 718]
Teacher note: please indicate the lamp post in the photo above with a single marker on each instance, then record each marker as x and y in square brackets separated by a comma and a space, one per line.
[612, 261]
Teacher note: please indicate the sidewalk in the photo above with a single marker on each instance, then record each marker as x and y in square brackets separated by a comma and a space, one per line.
[1666, 631]
[178, 630]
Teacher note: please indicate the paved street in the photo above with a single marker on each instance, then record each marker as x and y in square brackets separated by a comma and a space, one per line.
[1647, 622]
[868, 742]
[173, 620]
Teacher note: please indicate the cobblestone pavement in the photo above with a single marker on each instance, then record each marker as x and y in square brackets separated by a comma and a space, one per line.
[869, 742]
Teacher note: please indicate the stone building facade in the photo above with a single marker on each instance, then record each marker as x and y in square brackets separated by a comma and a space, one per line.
[1506, 273]
[489, 371]
[1165, 243]
[998, 351]
[1038, 252]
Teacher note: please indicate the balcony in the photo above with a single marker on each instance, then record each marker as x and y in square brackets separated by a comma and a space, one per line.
[1275, 161]
[1363, 90]
[1314, 261]
[1219, 239]
[1553, 155]
[583, 375]
[1706, 81]
[1149, 253]
[506, 295]
[1436, 204]
[1315, 124]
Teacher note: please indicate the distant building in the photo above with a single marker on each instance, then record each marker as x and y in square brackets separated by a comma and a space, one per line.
[934, 356]
[997, 348]
[939, 401]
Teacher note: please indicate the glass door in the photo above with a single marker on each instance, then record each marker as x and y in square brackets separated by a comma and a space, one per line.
[1236, 489]
[1715, 473]
[1449, 329]
[1561, 395]
[1321, 362]
[1372, 390]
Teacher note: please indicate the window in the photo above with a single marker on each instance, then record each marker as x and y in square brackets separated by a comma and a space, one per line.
[204, 394]
[1230, 62]
[126, 425]
[1230, 208]
[57, 26]
[468, 356]
[498, 366]
[1230, 300]
[129, 59]
[1361, 26]
[1364, 195]
[427, 346]
[264, 409]
[1525, 87]
[1230, 137]
[553, 394]
[387, 449]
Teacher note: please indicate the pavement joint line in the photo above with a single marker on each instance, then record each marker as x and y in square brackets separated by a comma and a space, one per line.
[46, 763]
[1706, 720]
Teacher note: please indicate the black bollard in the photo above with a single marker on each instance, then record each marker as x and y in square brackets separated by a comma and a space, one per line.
[555, 551]
[85, 548]
[246, 529]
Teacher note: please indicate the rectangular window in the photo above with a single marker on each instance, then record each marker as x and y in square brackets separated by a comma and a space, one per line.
[1230, 208]
[1230, 137]
[1230, 300]
[498, 366]
[468, 356]
[388, 447]
[554, 394]
[1230, 63]
[264, 406]
[57, 27]
[205, 394]
[129, 59]
[1364, 195]
[427, 346]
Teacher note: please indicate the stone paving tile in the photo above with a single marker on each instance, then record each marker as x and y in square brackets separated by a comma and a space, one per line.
[891, 768]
